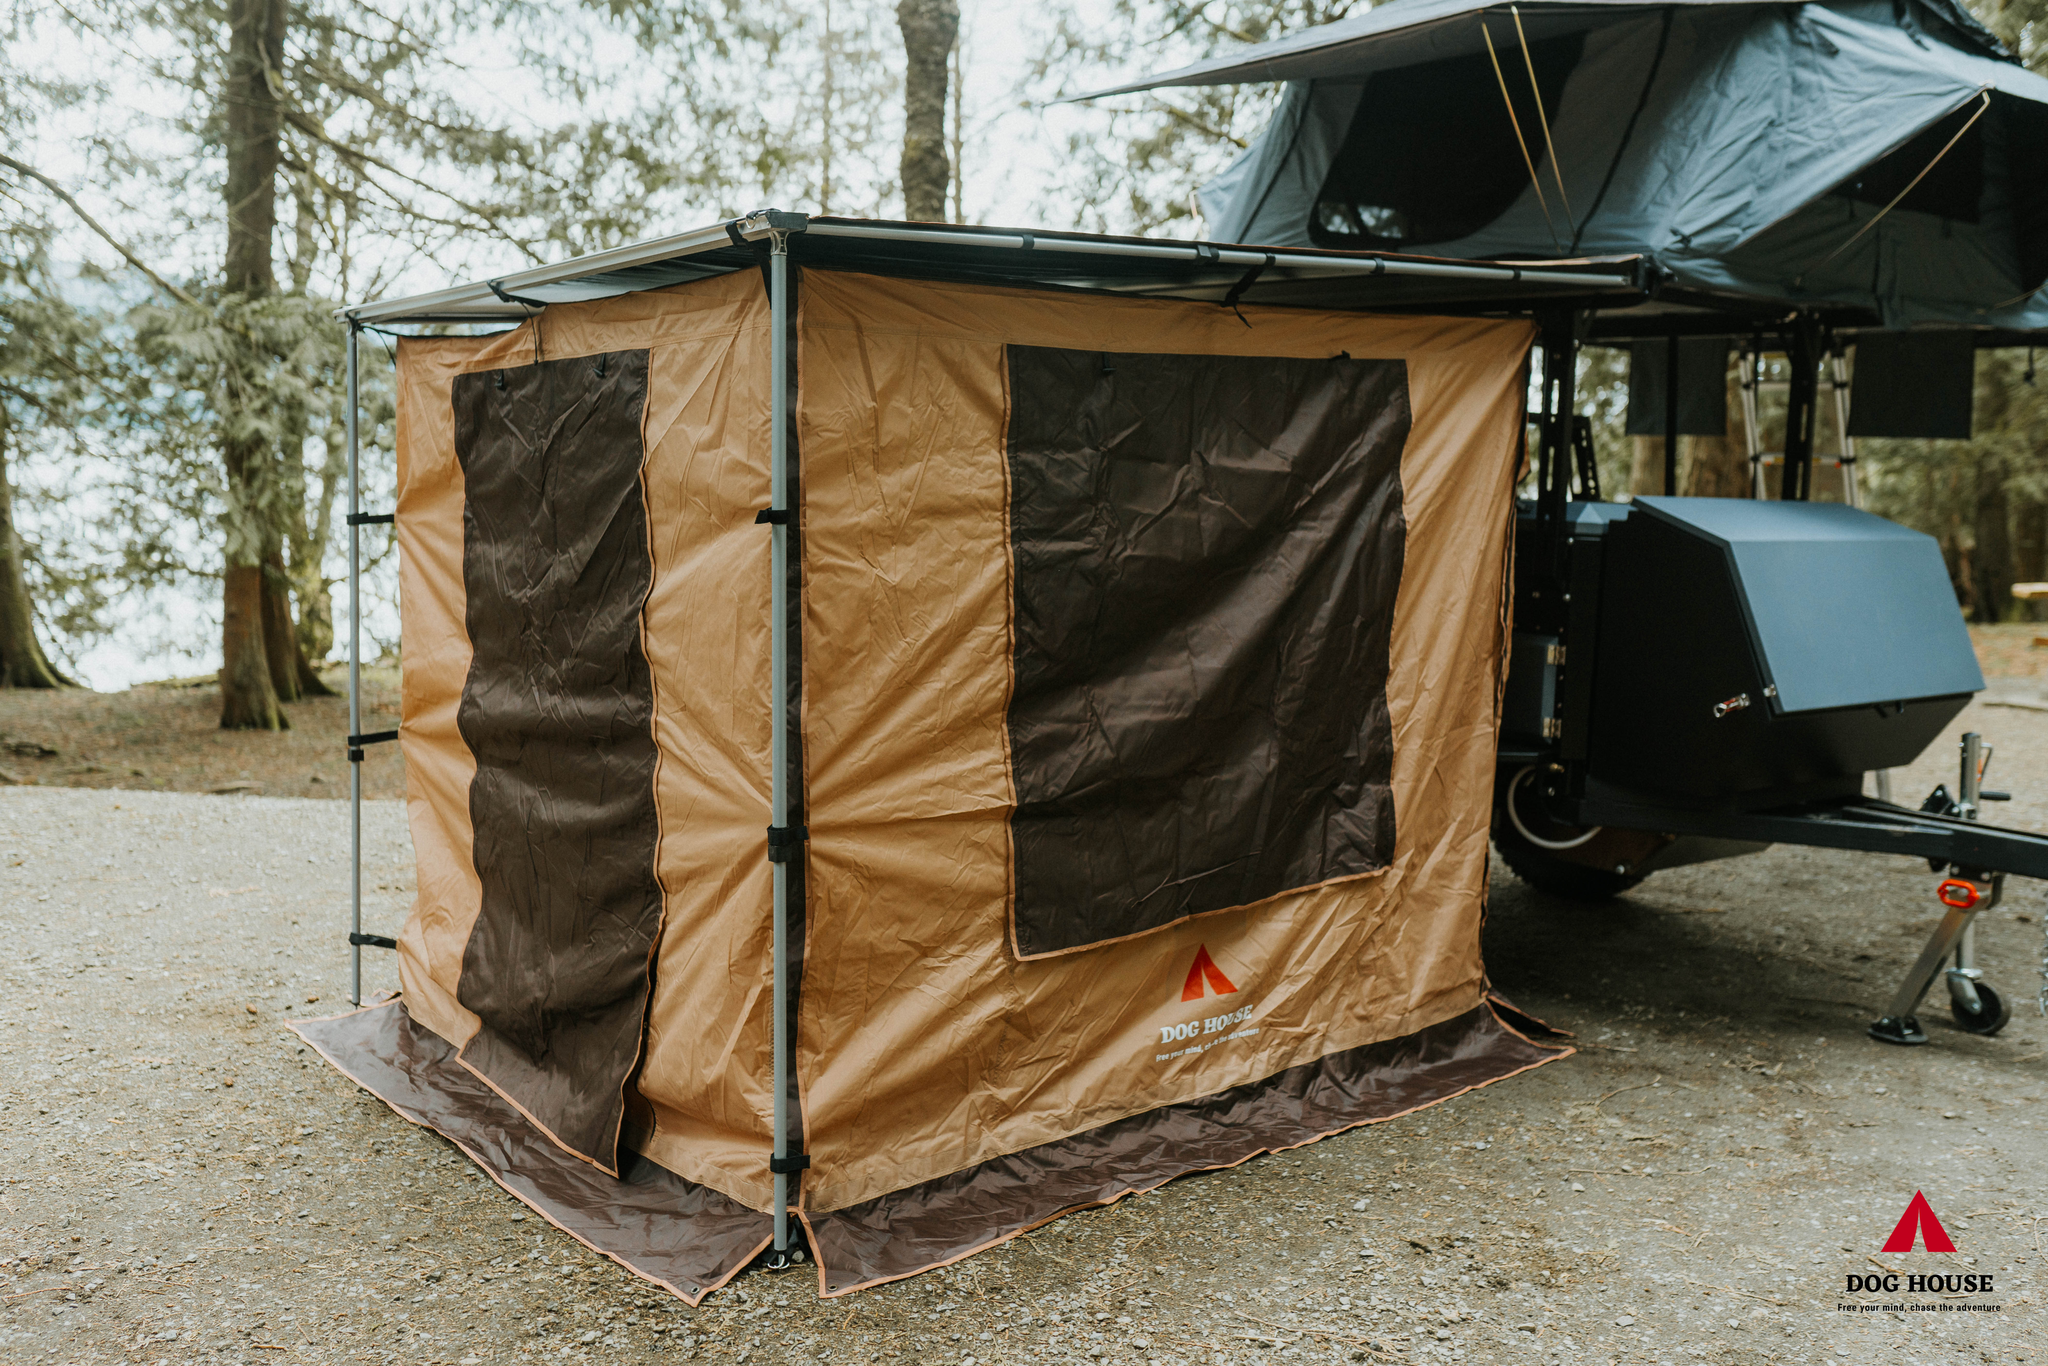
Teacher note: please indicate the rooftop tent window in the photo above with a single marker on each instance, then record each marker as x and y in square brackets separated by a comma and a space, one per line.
[1952, 187]
[1431, 155]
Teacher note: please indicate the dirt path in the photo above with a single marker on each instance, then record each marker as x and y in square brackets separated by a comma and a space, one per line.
[183, 1183]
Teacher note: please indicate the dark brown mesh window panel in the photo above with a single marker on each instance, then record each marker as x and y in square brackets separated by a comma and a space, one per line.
[558, 711]
[1206, 553]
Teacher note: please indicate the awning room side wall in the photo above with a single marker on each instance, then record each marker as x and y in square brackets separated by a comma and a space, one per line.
[703, 1094]
[925, 1044]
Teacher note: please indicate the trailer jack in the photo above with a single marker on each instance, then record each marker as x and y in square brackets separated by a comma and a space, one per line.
[1977, 1008]
[1965, 895]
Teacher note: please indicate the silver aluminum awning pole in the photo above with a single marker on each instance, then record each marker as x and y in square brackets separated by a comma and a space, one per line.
[355, 681]
[778, 704]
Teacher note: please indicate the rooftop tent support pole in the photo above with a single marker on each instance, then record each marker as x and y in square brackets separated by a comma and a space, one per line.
[1801, 398]
[1838, 378]
[1749, 369]
[355, 672]
[778, 710]
[1671, 416]
[1520, 141]
[1554, 466]
[1852, 493]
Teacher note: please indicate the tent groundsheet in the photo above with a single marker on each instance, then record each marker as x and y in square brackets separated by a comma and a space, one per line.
[1149, 658]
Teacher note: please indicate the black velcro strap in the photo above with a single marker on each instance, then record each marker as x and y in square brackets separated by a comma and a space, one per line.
[772, 517]
[1206, 252]
[1250, 278]
[372, 518]
[783, 838]
[356, 743]
[372, 941]
[505, 298]
[732, 230]
[788, 1166]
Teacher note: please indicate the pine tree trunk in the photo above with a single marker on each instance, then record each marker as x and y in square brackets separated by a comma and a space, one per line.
[251, 119]
[929, 29]
[1991, 565]
[1646, 464]
[1718, 466]
[280, 641]
[22, 661]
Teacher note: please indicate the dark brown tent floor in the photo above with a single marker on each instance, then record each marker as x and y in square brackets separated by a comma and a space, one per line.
[690, 1239]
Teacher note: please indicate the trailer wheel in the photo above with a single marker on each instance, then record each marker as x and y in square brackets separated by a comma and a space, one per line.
[1988, 1019]
[1546, 872]
[1547, 869]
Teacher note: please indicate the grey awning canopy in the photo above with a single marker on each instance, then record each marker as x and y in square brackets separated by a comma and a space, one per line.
[1205, 271]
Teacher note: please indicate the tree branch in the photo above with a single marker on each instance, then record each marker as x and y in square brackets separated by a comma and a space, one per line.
[130, 257]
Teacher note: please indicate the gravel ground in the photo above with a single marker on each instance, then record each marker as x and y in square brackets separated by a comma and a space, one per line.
[183, 1182]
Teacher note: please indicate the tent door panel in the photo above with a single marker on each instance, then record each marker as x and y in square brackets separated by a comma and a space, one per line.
[1206, 552]
[558, 710]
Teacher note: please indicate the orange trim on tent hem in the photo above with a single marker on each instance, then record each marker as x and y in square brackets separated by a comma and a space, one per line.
[484, 1167]
[1562, 1052]
[1092, 945]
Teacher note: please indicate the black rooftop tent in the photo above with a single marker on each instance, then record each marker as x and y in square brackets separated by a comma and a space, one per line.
[1887, 159]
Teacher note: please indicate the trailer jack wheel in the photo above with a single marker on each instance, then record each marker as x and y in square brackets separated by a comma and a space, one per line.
[1989, 1014]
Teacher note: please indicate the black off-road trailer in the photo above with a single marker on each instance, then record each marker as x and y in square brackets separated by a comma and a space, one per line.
[1700, 678]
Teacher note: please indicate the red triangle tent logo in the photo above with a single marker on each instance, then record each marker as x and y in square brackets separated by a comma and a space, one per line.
[1204, 970]
[1919, 1221]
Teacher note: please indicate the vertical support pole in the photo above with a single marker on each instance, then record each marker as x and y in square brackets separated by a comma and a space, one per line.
[778, 706]
[1750, 370]
[1800, 404]
[1671, 416]
[1852, 493]
[1838, 374]
[355, 673]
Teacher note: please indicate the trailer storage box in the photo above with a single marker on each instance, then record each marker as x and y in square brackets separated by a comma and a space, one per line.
[1760, 653]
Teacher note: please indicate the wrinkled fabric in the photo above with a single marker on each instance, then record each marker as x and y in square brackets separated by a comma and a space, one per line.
[1206, 552]
[558, 712]
[683, 1237]
[925, 1044]
[701, 1101]
[911, 1230]
[1729, 142]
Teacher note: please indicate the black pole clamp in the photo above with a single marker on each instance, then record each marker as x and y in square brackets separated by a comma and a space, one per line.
[372, 941]
[788, 1166]
[783, 838]
[356, 743]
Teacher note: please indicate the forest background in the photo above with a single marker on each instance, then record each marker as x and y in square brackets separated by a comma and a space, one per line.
[188, 188]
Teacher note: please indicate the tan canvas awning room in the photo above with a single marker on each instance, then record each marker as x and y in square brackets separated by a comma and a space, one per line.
[1072, 772]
